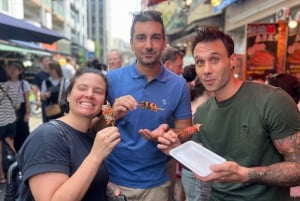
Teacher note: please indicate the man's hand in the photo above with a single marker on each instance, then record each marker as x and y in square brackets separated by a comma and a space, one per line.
[168, 141]
[153, 135]
[227, 172]
[123, 105]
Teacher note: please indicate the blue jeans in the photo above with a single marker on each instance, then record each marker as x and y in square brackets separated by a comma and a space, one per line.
[195, 190]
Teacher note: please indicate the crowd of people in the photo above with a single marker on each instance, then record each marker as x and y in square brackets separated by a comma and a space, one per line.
[78, 155]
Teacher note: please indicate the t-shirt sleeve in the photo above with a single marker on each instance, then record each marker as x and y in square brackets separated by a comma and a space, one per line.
[26, 86]
[281, 116]
[46, 150]
[184, 108]
[196, 119]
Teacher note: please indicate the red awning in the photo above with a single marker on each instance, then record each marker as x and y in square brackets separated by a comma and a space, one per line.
[147, 3]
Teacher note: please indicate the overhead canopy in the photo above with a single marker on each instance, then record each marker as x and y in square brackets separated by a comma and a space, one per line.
[12, 28]
[148, 3]
[23, 50]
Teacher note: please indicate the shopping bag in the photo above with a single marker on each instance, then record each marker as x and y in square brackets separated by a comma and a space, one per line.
[52, 110]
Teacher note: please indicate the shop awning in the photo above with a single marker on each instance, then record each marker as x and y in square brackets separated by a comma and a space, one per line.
[10, 48]
[147, 3]
[12, 28]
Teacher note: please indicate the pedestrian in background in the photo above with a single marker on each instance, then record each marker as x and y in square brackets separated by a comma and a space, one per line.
[194, 189]
[16, 81]
[9, 103]
[53, 88]
[69, 68]
[114, 59]
[172, 58]
[39, 77]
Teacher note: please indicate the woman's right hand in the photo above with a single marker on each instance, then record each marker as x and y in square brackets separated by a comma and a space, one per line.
[105, 140]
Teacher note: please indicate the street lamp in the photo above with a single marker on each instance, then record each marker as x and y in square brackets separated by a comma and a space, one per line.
[292, 23]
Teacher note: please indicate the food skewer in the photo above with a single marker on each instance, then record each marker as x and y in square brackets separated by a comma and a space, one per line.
[187, 131]
[108, 114]
[150, 106]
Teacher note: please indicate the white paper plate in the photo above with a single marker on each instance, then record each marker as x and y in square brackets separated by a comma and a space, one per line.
[196, 157]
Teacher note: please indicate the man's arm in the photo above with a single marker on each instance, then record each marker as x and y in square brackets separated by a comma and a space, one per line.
[286, 173]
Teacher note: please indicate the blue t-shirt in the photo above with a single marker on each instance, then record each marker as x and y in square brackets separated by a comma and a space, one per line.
[136, 162]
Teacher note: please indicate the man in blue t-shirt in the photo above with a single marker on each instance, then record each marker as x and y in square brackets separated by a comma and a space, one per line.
[136, 166]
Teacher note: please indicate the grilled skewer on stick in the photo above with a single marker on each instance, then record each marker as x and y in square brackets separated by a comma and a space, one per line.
[108, 114]
[150, 106]
[187, 131]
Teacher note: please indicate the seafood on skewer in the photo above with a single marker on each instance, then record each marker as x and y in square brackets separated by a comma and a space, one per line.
[108, 114]
[187, 131]
[150, 106]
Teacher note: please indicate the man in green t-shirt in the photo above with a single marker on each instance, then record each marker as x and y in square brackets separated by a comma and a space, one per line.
[255, 127]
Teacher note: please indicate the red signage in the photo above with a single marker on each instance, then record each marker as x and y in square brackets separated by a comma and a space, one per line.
[261, 52]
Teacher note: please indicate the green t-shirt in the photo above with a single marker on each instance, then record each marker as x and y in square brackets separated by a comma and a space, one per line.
[241, 129]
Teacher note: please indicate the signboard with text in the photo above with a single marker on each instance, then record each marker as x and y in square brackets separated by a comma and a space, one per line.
[293, 52]
[261, 52]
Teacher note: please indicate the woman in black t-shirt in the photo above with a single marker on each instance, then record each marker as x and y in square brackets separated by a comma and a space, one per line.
[64, 155]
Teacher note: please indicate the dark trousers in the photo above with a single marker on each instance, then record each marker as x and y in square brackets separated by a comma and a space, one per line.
[22, 128]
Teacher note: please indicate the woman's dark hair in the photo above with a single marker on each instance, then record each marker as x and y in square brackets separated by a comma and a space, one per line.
[54, 65]
[197, 90]
[210, 35]
[97, 64]
[287, 82]
[189, 73]
[81, 71]
[18, 66]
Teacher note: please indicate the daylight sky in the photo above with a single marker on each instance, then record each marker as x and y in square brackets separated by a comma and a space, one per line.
[121, 17]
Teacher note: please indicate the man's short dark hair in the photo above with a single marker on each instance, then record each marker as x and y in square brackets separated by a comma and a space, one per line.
[170, 54]
[145, 16]
[210, 35]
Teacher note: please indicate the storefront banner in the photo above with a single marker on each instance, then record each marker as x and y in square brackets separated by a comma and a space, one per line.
[293, 52]
[261, 48]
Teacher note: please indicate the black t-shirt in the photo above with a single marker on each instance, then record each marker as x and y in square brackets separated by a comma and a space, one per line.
[39, 77]
[49, 149]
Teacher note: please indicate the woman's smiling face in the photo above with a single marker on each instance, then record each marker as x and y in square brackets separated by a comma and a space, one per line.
[87, 95]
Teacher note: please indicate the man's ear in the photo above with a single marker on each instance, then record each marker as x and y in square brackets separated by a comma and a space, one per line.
[167, 64]
[233, 60]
